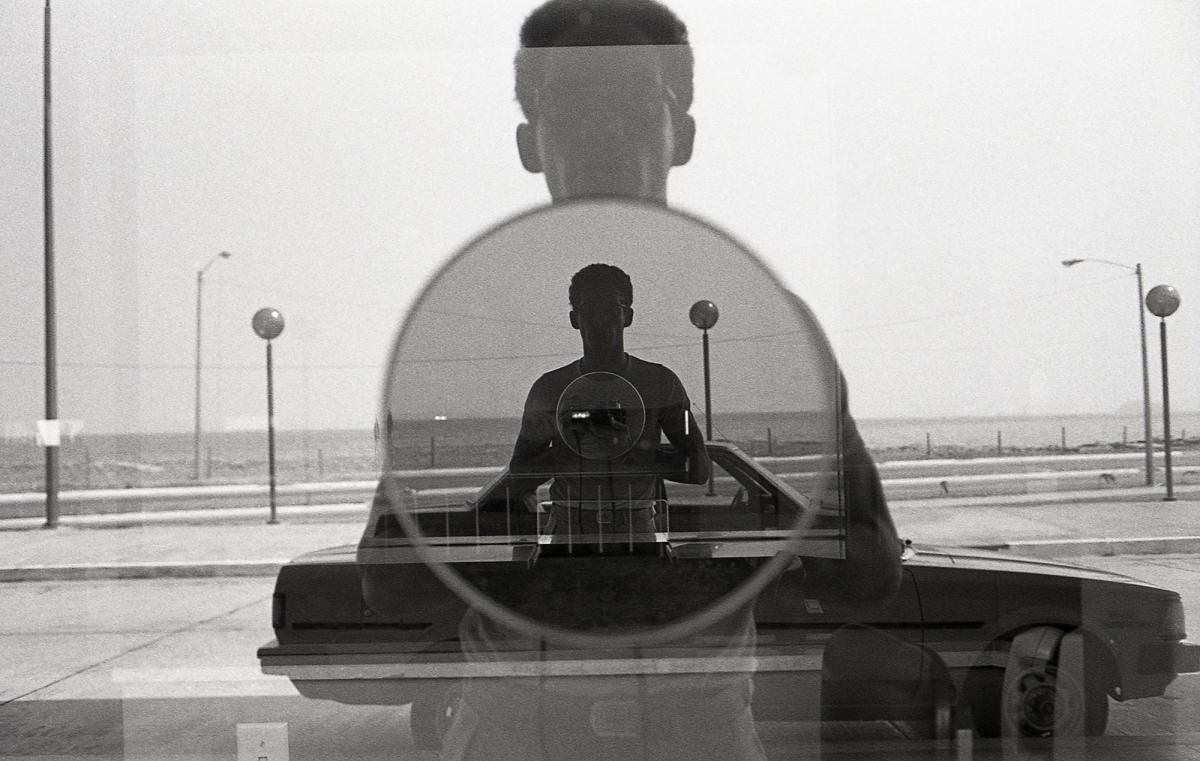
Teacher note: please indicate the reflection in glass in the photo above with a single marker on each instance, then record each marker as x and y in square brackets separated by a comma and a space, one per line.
[619, 552]
[483, 331]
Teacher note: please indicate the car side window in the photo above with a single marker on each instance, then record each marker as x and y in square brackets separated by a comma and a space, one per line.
[734, 500]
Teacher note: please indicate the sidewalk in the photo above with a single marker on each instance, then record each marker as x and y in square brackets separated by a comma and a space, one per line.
[238, 541]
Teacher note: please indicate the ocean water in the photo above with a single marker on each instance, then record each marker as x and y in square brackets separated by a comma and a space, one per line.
[151, 459]
[1016, 432]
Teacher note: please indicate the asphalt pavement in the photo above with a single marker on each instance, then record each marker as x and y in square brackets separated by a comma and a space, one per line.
[240, 541]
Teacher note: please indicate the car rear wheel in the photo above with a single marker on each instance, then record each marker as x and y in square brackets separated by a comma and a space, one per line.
[432, 715]
[1044, 701]
[1042, 692]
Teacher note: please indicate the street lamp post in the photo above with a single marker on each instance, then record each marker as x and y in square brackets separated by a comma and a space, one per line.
[1147, 434]
[200, 270]
[50, 303]
[1162, 301]
[268, 324]
[703, 315]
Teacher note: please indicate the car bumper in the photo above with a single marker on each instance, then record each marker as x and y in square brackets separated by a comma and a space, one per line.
[1169, 658]
[1187, 658]
[358, 675]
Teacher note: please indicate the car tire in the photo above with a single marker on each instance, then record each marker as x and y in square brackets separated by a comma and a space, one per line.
[981, 693]
[1042, 692]
[1042, 701]
[432, 715]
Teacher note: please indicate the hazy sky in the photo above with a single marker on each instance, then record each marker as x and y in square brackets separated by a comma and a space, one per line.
[496, 317]
[914, 171]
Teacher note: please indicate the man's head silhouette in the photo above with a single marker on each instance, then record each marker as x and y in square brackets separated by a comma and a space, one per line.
[605, 87]
[601, 308]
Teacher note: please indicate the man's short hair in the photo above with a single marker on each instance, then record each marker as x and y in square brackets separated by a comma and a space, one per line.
[602, 22]
[595, 277]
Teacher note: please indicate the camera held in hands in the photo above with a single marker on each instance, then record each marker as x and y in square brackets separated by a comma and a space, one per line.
[593, 415]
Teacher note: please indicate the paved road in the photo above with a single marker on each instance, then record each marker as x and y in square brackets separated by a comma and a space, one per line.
[166, 668]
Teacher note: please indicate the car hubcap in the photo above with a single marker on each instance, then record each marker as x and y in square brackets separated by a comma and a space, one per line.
[1043, 702]
[1038, 704]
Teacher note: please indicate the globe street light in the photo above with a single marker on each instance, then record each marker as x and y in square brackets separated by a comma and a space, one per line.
[199, 304]
[1146, 431]
[268, 324]
[1162, 301]
[703, 315]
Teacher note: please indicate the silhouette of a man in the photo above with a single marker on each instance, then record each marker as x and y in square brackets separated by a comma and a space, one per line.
[597, 423]
[605, 87]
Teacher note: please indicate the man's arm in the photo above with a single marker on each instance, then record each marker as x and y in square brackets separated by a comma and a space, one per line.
[685, 436]
[534, 456]
[871, 571]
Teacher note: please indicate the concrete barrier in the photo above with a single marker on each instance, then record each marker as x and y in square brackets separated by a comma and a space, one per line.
[153, 499]
[901, 480]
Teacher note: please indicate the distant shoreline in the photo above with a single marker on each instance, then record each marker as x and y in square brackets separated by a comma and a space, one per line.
[291, 468]
[14, 434]
[91, 460]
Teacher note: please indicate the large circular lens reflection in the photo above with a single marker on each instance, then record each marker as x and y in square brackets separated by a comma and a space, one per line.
[616, 549]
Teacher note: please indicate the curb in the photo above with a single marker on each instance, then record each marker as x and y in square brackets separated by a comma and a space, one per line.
[1057, 549]
[358, 510]
[220, 515]
[1070, 548]
[112, 571]
[1147, 494]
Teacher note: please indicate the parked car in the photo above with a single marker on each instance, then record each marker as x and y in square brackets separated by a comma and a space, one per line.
[1002, 644]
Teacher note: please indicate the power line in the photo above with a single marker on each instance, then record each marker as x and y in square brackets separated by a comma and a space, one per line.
[976, 309]
[534, 323]
[273, 292]
[682, 344]
[158, 366]
[983, 347]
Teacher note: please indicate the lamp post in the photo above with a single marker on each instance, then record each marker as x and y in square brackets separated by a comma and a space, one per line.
[1147, 435]
[703, 315]
[268, 324]
[200, 270]
[1162, 301]
[50, 309]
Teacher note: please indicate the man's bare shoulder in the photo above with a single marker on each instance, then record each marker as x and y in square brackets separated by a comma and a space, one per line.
[642, 368]
[569, 370]
[645, 365]
[553, 381]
